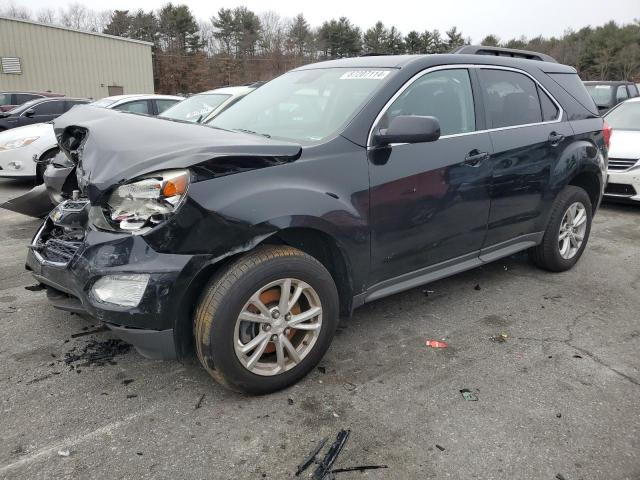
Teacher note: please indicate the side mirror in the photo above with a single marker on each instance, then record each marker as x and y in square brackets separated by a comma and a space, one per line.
[29, 113]
[408, 129]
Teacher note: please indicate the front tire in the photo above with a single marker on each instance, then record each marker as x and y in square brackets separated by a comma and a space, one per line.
[567, 232]
[266, 319]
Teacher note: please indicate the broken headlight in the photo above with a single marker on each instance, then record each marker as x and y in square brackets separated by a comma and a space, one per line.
[147, 201]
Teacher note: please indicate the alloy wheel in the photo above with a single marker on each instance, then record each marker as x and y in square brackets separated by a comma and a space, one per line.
[572, 230]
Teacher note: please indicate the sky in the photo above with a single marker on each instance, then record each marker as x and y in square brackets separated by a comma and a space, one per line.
[475, 18]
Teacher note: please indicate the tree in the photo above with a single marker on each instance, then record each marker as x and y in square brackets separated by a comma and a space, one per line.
[393, 43]
[454, 38]
[339, 38]
[47, 15]
[299, 35]
[375, 39]
[490, 41]
[248, 30]
[120, 24]
[413, 42]
[225, 26]
[178, 29]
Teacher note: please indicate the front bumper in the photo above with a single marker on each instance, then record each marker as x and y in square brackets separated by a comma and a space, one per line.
[70, 275]
[623, 185]
[18, 162]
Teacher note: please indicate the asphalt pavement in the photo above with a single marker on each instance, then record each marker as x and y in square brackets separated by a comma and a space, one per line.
[551, 359]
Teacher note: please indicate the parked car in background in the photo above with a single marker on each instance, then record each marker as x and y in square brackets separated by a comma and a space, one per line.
[204, 106]
[37, 111]
[10, 100]
[331, 186]
[624, 151]
[27, 152]
[147, 104]
[607, 95]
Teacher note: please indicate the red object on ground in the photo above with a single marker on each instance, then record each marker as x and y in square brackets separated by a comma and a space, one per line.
[437, 344]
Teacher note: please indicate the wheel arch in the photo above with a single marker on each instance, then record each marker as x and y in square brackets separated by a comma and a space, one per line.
[313, 241]
[589, 181]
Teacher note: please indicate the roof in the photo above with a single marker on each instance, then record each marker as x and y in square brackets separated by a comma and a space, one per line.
[59, 27]
[32, 92]
[608, 82]
[228, 91]
[117, 98]
[425, 61]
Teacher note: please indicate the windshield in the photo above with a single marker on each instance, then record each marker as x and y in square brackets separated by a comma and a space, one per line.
[104, 103]
[601, 94]
[5, 99]
[196, 108]
[24, 106]
[306, 105]
[625, 117]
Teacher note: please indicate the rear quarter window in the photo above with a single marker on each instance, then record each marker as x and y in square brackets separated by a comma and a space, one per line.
[571, 83]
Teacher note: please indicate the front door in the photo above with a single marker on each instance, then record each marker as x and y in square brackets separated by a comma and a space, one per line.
[430, 201]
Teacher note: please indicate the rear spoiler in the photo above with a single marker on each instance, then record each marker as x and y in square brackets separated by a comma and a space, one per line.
[503, 52]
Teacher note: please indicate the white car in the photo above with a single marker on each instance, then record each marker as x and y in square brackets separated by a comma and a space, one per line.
[624, 151]
[207, 105]
[25, 150]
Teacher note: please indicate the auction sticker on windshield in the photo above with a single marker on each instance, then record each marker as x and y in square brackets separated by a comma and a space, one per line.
[365, 74]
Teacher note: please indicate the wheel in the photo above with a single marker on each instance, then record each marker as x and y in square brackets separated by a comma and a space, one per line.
[42, 164]
[567, 232]
[266, 320]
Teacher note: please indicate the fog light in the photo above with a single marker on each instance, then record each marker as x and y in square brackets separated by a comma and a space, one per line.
[16, 165]
[124, 290]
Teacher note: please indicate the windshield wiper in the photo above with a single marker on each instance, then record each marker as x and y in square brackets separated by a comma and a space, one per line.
[251, 132]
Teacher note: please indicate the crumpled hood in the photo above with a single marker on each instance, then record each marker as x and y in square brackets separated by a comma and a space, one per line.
[119, 146]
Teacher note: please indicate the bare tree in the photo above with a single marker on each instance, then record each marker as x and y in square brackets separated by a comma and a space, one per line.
[12, 10]
[47, 15]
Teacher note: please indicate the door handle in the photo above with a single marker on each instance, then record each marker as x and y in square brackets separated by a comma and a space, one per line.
[555, 139]
[474, 158]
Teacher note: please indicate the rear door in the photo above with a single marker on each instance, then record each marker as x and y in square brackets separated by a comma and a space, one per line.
[430, 201]
[528, 137]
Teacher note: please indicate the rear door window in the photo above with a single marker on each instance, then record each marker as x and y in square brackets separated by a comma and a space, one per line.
[550, 110]
[621, 93]
[25, 97]
[510, 98]
[444, 94]
[52, 107]
[633, 90]
[139, 106]
[163, 104]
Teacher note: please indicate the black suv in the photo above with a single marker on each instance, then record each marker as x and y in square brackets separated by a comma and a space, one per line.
[607, 95]
[331, 186]
[39, 110]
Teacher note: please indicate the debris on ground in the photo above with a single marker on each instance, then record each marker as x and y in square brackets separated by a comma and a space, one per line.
[324, 471]
[440, 447]
[349, 387]
[199, 404]
[427, 292]
[477, 287]
[311, 457]
[561, 477]
[98, 353]
[133, 395]
[290, 401]
[127, 381]
[89, 332]
[500, 338]
[577, 356]
[35, 288]
[436, 344]
[331, 456]
[64, 453]
[558, 415]
[468, 395]
[322, 370]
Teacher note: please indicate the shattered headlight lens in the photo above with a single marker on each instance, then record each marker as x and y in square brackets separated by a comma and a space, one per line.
[148, 201]
[17, 143]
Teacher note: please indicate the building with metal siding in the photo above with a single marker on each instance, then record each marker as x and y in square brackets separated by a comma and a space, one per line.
[41, 57]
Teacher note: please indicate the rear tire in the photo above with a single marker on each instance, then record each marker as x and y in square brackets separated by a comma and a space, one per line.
[567, 232]
[222, 333]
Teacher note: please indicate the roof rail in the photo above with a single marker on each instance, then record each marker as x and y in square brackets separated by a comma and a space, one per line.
[503, 52]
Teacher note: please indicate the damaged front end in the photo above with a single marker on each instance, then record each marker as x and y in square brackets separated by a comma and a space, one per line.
[128, 250]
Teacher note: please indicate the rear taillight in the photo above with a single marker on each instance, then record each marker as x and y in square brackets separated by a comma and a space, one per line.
[606, 133]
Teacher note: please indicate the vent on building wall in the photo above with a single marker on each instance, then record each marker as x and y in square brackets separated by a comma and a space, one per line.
[11, 65]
